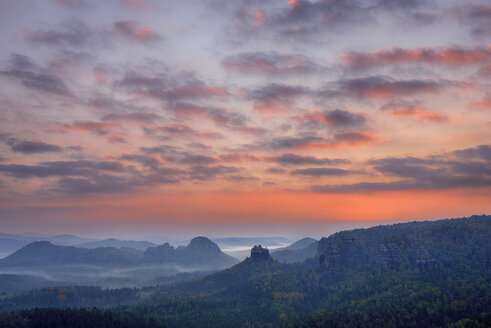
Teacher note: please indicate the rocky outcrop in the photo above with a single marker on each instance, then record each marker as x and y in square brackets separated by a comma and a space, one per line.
[259, 253]
[347, 251]
[424, 262]
[201, 251]
[389, 256]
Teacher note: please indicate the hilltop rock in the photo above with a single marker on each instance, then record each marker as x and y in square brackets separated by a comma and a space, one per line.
[200, 251]
[259, 253]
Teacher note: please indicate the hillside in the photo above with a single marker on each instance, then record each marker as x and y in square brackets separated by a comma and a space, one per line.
[416, 274]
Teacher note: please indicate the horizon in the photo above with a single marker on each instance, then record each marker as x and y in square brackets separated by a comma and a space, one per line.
[183, 233]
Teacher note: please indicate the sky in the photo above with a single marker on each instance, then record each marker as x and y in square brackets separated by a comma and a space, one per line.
[235, 117]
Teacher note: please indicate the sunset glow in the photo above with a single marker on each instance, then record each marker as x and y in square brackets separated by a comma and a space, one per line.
[156, 117]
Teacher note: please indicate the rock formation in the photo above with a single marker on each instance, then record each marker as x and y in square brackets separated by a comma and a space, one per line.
[259, 253]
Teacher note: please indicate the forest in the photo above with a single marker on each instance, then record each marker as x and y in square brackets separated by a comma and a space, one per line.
[416, 274]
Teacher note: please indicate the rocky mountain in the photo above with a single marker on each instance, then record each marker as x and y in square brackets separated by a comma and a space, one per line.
[118, 243]
[200, 251]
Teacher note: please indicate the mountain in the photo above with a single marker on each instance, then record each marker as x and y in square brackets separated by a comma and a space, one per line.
[415, 274]
[42, 253]
[297, 252]
[10, 243]
[200, 252]
[117, 243]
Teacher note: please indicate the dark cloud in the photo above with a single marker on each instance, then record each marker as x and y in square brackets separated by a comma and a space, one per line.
[321, 171]
[334, 118]
[137, 117]
[294, 159]
[467, 168]
[33, 77]
[378, 87]
[61, 168]
[477, 17]
[241, 178]
[270, 63]
[481, 152]
[31, 147]
[441, 56]
[198, 160]
[181, 131]
[169, 88]
[341, 140]
[203, 172]
[72, 34]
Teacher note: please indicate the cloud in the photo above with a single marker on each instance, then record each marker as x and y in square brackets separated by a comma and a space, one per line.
[467, 168]
[182, 131]
[270, 63]
[334, 118]
[339, 141]
[220, 116]
[33, 77]
[169, 88]
[198, 160]
[203, 172]
[477, 17]
[321, 171]
[60, 168]
[378, 87]
[136, 117]
[441, 56]
[162, 150]
[412, 109]
[145, 160]
[276, 97]
[35, 146]
[294, 159]
[131, 30]
[100, 128]
[72, 34]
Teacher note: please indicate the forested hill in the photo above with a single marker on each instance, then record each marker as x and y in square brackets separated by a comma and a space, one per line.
[426, 245]
[417, 274]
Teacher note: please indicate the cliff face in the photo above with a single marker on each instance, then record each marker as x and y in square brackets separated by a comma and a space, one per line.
[344, 252]
[259, 253]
